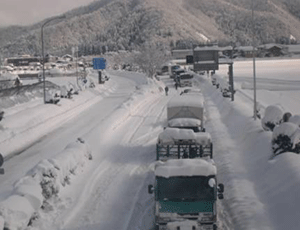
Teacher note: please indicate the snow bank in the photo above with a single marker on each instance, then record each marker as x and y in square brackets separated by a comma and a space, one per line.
[272, 117]
[41, 183]
[185, 167]
[289, 129]
[172, 135]
[24, 123]
[8, 80]
[295, 119]
[286, 138]
[260, 193]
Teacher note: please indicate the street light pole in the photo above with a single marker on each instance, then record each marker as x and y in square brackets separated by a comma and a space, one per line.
[43, 56]
[254, 68]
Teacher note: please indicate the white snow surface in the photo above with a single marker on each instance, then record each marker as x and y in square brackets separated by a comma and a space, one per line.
[187, 100]
[185, 167]
[171, 135]
[289, 129]
[295, 119]
[273, 114]
[120, 122]
[26, 123]
[184, 122]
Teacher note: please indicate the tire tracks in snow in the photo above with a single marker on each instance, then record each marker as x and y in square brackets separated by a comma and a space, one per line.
[106, 179]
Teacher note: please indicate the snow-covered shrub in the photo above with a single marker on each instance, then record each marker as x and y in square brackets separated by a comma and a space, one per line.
[48, 178]
[273, 116]
[286, 138]
[295, 119]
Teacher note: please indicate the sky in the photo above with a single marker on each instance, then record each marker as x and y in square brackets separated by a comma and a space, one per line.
[26, 12]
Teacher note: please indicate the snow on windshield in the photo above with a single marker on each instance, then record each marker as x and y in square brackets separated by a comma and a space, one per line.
[185, 167]
[171, 135]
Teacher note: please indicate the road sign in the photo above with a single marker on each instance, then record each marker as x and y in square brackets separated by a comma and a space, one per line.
[206, 58]
[99, 63]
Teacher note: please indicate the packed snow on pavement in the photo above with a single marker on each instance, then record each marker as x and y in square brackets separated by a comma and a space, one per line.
[86, 163]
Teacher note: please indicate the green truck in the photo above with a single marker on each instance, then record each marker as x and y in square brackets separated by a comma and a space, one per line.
[186, 190]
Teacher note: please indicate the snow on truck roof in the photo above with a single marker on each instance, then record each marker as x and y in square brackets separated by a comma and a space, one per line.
[187, 100]
[185, 167]
[184, 122]
[171, 135]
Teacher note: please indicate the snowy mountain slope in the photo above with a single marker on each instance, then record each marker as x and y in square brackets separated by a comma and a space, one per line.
[110, 25]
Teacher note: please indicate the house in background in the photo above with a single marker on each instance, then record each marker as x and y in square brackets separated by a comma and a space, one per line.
[67, 57]
[271, 50]
[246, 51]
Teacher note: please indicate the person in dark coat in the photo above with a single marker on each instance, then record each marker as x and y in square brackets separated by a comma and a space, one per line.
[166, 90]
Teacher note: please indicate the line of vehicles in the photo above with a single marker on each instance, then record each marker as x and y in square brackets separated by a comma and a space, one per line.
[181, 77]
[185, 187]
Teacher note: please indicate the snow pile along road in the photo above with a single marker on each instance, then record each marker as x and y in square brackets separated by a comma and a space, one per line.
[40, 184]
[48, 177]
[260, 193]
[25, 123]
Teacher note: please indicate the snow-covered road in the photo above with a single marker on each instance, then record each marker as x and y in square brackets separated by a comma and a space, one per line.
[121, 128]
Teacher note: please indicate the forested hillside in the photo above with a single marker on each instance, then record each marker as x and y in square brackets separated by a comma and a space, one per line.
[111, 25]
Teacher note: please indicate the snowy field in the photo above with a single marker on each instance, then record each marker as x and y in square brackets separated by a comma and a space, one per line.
[99, 181]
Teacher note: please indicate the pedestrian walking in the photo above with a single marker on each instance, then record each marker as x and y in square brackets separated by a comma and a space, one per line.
[166, 90]
[176, 85]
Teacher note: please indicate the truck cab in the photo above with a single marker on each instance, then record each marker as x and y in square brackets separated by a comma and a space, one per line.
[185, 79]
[177, 73]
[172, 69]
[186, 189]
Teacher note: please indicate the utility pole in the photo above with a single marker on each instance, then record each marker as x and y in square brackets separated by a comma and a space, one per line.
[254, 68]
[43, 56]
[76, 50]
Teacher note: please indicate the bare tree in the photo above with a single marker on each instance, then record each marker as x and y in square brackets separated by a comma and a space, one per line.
[150, 58]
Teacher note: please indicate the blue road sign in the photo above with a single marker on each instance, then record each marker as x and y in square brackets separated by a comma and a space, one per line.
[99, 63]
